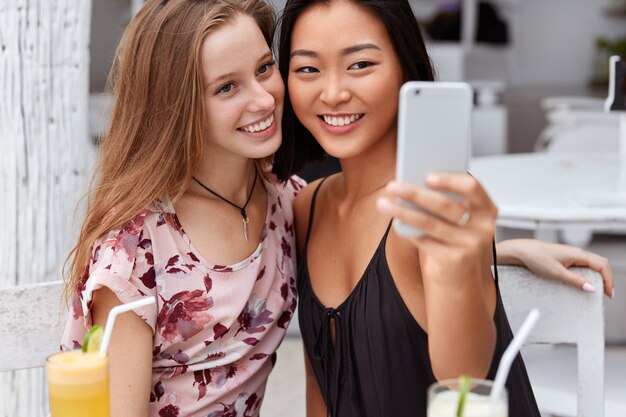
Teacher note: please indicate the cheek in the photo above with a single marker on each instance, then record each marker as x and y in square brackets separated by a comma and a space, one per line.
[385, 94]
[208, 112]
[221, 115]
[298, 95]
[386, 90]
[292, 91]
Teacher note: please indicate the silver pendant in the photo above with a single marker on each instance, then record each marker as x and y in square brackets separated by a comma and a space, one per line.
[245, 228]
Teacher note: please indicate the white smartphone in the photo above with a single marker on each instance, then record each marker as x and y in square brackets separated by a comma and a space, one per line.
[433, 134]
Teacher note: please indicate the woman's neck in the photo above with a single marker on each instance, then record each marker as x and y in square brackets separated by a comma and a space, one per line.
[369, 172]
[230, 178]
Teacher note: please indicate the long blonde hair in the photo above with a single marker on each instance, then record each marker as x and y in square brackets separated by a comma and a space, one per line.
[155, 138]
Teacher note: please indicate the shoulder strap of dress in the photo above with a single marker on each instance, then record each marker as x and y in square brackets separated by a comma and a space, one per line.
[495, 261]
[312, 211]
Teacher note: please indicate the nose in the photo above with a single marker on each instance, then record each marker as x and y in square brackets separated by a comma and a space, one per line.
[334, 92]
[261, 100]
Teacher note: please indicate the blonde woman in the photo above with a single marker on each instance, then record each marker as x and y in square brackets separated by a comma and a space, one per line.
[183, 208]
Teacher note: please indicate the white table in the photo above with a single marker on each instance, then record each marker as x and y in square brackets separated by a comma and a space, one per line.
[551, 192]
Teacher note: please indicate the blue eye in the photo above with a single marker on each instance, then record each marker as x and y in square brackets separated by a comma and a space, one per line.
[361, 65]
[226, 88]
[265, 68]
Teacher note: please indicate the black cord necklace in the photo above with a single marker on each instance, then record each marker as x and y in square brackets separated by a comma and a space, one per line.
[242, 209]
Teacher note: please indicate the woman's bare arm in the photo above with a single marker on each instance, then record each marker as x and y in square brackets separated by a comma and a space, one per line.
[130, 357]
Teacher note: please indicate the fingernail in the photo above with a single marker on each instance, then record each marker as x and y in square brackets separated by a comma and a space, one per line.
[588, 287]
[433, 179]
[384, 205]
[612, 293]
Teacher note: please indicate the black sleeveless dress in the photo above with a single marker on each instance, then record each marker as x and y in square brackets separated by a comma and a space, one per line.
[379, 364]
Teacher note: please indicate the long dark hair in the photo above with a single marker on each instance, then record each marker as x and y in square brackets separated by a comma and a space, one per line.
[299, 147]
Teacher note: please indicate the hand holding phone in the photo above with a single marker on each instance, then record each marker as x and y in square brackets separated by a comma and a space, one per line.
[448, 217]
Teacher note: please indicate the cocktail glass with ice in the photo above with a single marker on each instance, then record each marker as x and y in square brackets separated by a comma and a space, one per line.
[444, 396]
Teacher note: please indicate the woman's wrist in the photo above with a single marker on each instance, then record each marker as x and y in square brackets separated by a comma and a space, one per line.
[508, 252]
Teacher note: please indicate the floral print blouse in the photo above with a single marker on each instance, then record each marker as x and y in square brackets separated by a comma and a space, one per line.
[216, 327]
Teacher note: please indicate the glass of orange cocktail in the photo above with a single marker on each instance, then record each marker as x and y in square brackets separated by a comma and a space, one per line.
[78, 384]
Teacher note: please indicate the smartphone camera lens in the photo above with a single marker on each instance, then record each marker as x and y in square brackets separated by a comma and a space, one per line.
[417, 91]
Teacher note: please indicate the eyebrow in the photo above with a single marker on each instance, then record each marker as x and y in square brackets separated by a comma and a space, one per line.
[346, 51]
[221, 78]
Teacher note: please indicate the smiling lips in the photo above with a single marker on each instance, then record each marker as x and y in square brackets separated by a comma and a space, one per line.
[259, 126]
[342, 120]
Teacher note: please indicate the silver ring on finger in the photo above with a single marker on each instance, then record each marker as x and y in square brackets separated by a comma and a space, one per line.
[464, 218]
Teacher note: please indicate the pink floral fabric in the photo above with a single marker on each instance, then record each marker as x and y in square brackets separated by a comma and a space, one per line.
[216, 327]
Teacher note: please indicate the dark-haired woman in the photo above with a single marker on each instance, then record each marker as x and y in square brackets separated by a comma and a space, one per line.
[382, 316]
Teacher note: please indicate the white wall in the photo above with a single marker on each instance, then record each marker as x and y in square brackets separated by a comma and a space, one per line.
[45, 158]
[556, 39]
[553, 40]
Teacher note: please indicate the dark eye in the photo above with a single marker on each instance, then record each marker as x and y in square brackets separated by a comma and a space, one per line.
[226, 88]
[307, 70]
[361, 65]
[265, 67]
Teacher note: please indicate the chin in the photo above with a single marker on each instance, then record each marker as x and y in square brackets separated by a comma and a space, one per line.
[265, 149]
[342, 147]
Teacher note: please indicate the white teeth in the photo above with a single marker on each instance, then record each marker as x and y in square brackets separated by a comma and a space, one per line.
[257, 127]
[341, 121]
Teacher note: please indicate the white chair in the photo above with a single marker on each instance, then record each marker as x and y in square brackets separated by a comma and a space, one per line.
[567, 380]
[31, 321]
[577, 124]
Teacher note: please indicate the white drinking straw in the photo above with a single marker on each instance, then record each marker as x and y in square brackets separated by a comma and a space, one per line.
[510, 353]
[115, 311]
